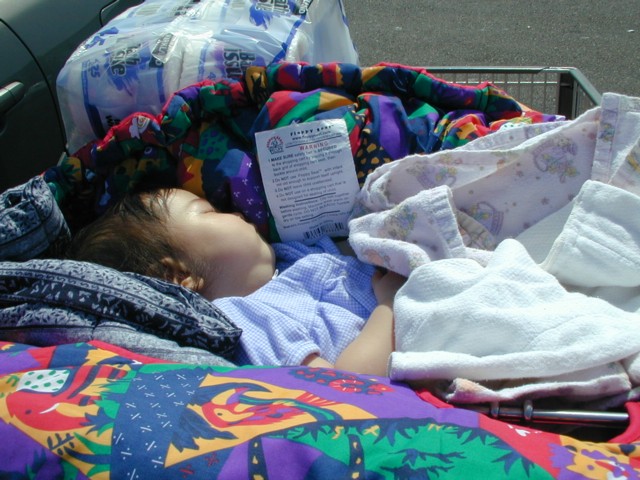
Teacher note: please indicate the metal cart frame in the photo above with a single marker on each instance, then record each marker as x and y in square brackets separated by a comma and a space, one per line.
[561, 90]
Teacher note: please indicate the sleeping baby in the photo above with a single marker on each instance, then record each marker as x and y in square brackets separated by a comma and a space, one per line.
[296, 304]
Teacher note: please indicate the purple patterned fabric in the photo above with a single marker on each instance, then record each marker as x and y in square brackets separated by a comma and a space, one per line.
[89, 409]
[31, 222]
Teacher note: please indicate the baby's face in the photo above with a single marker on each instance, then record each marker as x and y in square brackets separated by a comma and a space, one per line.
[235, 258]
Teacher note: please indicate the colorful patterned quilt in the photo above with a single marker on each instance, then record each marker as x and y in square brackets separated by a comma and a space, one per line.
[92, 410]
[203, 140]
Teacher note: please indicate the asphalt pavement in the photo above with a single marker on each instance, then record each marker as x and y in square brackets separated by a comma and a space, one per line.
[599, 37]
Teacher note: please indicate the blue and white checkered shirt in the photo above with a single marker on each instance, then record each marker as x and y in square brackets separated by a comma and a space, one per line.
[318, 303]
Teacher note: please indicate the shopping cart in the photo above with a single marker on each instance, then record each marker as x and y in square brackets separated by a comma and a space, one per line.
[562, 90]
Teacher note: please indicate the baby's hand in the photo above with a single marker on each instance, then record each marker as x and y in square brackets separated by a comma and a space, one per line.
[386, 285]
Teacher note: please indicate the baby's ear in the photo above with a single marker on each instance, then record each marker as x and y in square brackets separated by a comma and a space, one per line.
[176, 271]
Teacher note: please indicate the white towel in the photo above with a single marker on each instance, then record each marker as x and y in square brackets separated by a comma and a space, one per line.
[599, 245]
[509, 321]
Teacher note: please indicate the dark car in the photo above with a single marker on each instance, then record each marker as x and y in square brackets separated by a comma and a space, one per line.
[36, 38]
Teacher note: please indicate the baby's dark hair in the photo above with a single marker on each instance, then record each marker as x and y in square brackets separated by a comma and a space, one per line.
[131, 236]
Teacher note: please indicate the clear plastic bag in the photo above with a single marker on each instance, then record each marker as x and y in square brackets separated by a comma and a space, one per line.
[148, 52]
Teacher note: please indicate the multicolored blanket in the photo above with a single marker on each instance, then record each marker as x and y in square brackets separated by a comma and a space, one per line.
[203, 140]
[92, 410]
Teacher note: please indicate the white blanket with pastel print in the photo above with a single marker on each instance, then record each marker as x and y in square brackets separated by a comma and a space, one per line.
[554, 309]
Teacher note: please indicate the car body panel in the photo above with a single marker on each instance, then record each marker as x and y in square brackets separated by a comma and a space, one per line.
[37, 37]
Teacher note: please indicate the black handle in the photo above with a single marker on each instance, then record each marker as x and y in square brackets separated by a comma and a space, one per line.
[10, 95]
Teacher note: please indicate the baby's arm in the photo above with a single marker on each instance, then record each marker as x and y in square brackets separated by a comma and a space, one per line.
[369, 352]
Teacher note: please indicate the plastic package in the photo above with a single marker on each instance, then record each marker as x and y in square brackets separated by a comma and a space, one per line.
[145, 54]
